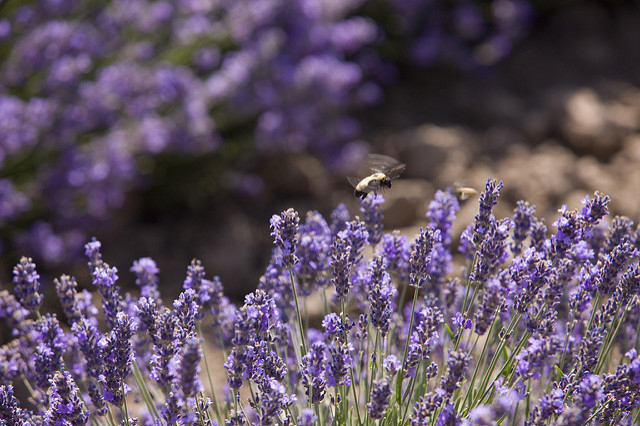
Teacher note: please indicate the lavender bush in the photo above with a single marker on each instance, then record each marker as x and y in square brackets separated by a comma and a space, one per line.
[534, 329]
[92, 93]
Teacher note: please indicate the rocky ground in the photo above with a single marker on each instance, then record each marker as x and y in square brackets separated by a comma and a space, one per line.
[558, 120]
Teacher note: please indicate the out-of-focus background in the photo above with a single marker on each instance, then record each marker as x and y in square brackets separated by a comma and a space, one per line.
[175, 128]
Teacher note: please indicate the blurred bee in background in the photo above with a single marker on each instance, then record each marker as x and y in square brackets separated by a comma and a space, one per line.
[383, 168]
[463, 192]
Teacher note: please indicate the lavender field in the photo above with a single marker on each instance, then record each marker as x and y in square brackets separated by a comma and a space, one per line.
[136, 136]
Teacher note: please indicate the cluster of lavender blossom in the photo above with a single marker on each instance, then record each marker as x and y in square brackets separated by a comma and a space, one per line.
[535, 329]
[91, 93]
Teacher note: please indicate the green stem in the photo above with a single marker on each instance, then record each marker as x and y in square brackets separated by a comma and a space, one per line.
[400, 376]
[295, 297]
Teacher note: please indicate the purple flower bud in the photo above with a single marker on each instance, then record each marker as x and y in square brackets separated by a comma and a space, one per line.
[65, 406]
[457, 366]
[91, 343]
[488, 199]
[381, 295]
[313, 372]
[186, 311]
[10, 412]
[186, 369]
[273, 401]
[392, 364]
[12, 311]
[371, 208]
[425, 407]
[595, 209]
[379, 398]
[118, 353]
[105, 278]
[339, 218]
[146, 272]
[313, 251]
[339, 365]
[67, 293]
[395, 252]
[51, 345]
[493, 296]
[92, 251]
[307, 418]
[536, 356]
[27, 284]
[589, 391]
[442, 213]
[285, 233]
[421, 256]
[523, 219]
[551, 404]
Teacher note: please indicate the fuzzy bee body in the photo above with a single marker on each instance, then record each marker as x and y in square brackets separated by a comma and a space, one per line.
[384, 169]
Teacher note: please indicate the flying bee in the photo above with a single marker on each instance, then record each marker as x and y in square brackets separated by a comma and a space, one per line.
[383, 170]
[463, 192]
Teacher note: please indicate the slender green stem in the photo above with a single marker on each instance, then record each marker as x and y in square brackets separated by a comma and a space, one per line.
[144, 390]
[295, 297]
[400, 376]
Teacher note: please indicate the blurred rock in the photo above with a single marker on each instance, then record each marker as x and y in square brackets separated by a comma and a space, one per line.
[438, 154]
[405, 202]
[541, 176]
[592, 124]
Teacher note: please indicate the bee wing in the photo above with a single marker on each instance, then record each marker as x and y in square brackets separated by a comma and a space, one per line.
[379, 163]
[354, 181]
[463, 192]
[391, 167]
[395, 171]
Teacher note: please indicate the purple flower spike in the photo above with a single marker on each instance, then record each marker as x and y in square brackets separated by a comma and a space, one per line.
[488, 199]
[381, 295]
[313, 372]
[313, 251]
[457, 366]
[395, 251]
[379, 398]
[595, 209]
[536, 355]
[442, 213]
[65, 406]
[371, 208]
[118, 357]
[67, 293]
[10, 412]
[285, 233]
[27, 284]
[146, 272]
[421, 256]
[339, 218]
[92, 251]
[523, 220]
[341, 264]
[185, 369]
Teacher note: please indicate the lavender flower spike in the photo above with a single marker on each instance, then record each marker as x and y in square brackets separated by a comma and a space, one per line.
[27, 284]
[285, 233]
[379, 398]
[65, 406]
[421, 256]
[119, 355]
[371, 208]
[488, 199]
